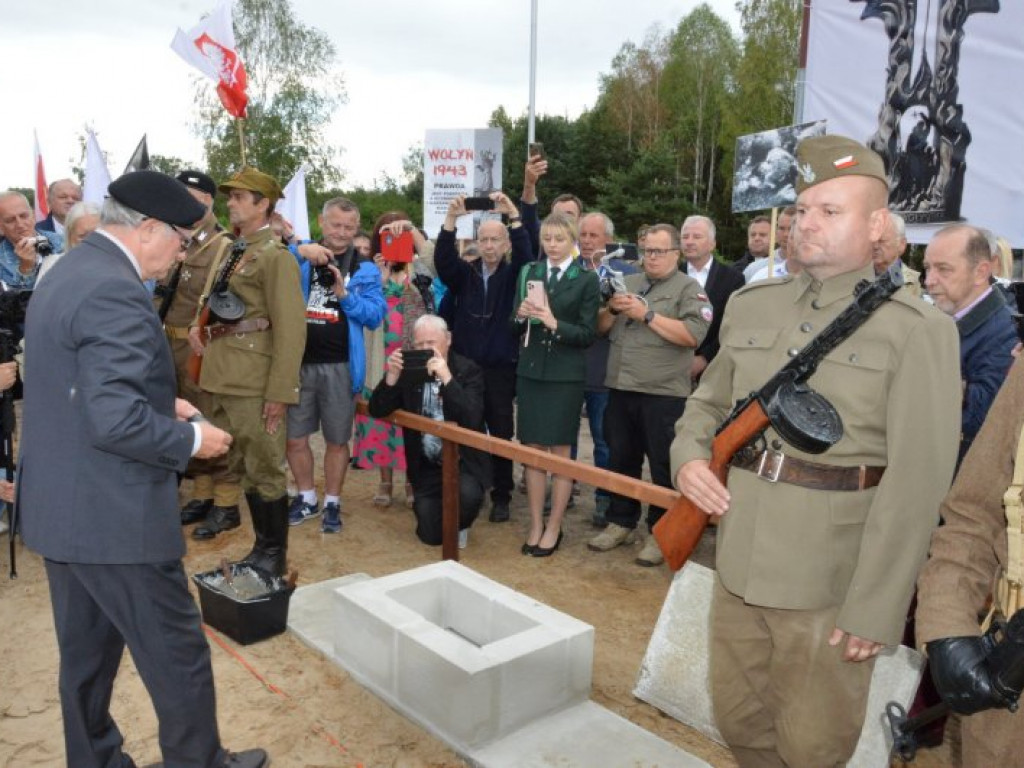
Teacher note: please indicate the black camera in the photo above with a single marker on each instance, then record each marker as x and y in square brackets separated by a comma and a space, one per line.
[611, 284]
[43, 247]
[324, 276]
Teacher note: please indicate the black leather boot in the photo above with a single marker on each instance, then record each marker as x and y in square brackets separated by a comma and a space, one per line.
[219, 520]
[195, 511]
[270, 521]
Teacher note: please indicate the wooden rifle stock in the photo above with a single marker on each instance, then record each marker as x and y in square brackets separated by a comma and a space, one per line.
[194, 364]
[680, 528]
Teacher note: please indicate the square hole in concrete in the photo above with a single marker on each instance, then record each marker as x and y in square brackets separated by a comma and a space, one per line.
[462, 611]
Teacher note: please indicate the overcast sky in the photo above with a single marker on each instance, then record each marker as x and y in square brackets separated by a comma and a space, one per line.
[408, 65]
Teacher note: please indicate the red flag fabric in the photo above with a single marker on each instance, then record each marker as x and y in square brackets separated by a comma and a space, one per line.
[210, 47]
[42, 207]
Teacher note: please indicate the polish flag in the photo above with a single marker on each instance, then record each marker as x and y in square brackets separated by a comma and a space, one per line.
[210, 47]
[41, 204]
[844, 162]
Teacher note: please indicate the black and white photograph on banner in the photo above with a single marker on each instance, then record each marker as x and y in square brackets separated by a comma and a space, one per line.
[930, 96]
[764, 174]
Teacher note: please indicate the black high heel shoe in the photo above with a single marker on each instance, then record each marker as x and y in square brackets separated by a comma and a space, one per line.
[527, 549]
[539, 551]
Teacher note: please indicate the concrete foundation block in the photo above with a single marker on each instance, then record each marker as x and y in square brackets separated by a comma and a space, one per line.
[674, 675]
[466, 656]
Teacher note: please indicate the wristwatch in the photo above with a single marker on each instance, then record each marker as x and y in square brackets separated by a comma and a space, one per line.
[649, 317]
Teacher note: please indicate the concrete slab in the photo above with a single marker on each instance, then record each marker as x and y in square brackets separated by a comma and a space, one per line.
[309, 614]
[581, 735]
[674, 674]
[584, 736]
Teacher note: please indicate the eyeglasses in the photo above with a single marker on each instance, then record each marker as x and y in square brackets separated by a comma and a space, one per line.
[659, 251]
[185, 240]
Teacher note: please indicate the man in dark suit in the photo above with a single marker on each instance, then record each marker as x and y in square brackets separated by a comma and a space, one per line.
[61, 196]
[102, 439]
[454, 391]
[718, 281]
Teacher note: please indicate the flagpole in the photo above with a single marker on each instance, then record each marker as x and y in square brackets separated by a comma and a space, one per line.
[241, 138]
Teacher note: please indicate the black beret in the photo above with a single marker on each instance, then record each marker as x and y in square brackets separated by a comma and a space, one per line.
[158, 196]
[198, 180]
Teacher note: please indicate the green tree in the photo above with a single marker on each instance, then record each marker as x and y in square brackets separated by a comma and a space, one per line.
[168, 164]
[293, 92]
[694, 90]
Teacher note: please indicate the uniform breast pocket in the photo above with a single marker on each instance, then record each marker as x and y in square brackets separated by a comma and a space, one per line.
[856, 378]
[754, 362]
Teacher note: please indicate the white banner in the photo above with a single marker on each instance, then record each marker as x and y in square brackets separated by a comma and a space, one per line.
[930, 86]
[458, 162]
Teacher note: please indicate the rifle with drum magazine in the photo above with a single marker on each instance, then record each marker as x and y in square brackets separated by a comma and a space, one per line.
[801, 416]
[220, 306]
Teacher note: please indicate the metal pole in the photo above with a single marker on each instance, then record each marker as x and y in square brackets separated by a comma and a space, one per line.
[530, 135]
[241, 139]
[801, 72]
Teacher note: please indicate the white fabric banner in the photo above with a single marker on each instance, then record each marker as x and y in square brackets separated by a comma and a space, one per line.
[97, 177]
[459, 162]
[929, 85]
[293, 207]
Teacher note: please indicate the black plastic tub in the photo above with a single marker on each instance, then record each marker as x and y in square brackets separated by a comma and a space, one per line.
[253, 607]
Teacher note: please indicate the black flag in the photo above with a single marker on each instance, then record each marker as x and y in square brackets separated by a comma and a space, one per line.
[140, 157]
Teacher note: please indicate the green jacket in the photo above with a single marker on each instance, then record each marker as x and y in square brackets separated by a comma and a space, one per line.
[574, 300]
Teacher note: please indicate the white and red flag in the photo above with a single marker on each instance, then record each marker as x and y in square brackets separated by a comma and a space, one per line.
[42, 205]
[210, 47]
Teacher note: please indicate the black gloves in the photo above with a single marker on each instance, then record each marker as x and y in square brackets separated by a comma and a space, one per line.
[961, 674]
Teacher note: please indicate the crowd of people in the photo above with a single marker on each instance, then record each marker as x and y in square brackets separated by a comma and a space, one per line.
[520, 332]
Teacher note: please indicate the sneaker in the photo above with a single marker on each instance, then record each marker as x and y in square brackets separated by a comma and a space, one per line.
[299, 512]
[650, 555]
[611, 537]
[499, 512]
[331, 522]
[463, 538]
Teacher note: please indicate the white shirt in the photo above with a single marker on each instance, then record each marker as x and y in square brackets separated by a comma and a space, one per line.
[700, 275]
[779, 269]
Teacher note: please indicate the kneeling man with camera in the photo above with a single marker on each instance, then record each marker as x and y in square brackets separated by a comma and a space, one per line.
[430, 380]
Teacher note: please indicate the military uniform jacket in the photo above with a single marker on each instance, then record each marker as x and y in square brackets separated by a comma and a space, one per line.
[895, 382]
[642, 361]
[264, 363]
[574, 301]
[970, 549]
[209, 246]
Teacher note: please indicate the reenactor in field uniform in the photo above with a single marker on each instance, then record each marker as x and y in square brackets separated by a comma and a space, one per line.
[251, 361]
[817, 554]
[178, 297]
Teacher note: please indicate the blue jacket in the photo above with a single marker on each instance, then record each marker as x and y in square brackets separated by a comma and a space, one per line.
[480, 319]
[987, 335]
[364, 307]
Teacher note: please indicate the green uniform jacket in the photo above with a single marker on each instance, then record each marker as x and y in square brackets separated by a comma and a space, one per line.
[574, 301]
[266, 363]
[642, 361]
[896, 384]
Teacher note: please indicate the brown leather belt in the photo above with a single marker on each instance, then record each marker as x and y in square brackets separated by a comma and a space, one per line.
[254, 325]
[176, 332]
[777, 467]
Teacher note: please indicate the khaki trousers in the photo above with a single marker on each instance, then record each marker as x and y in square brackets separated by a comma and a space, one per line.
[781, 695]
[255, 456]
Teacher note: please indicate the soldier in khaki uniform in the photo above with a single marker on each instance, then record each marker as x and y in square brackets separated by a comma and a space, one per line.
[251, 368]
[817, 554]
[967, 554]
[214, 490]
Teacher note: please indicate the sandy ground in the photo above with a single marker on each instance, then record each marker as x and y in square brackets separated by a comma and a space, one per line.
[306, 712]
